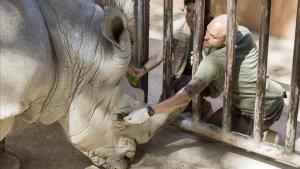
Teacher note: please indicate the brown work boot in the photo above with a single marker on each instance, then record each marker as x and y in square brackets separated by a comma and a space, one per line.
[206, 109]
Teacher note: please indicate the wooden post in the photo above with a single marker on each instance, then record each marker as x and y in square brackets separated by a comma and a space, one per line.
[295, 86]
[230, 64]
[197, 56]
[167, 49]
[262, 69]
[143, 40]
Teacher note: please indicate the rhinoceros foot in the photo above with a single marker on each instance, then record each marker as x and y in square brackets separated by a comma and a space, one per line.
[8, 161]
[117, 157]
[109, 162]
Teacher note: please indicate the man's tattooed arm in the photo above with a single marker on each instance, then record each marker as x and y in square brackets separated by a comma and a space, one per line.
[194, 87]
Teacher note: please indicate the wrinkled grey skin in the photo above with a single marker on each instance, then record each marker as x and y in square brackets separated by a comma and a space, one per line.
[65, 60]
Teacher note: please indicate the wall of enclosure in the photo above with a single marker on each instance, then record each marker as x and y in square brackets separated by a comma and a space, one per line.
[283, 14]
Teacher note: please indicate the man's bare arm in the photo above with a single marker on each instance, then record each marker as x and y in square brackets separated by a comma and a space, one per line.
[182, 98]
[153, 61]
[194, 87]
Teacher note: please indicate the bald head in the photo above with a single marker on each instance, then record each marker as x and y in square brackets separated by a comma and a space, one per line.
[215, 36]
[219, 25]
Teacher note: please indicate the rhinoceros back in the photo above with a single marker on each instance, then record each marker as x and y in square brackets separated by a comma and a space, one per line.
[26, 64]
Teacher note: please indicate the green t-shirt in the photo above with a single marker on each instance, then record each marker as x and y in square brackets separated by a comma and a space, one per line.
[212, 67]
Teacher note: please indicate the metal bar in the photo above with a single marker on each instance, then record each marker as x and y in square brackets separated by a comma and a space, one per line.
[197, 56]
[239, 140]
[167, 50]
[262, 69]
[230, 63]
[295, 86]
[143, 40]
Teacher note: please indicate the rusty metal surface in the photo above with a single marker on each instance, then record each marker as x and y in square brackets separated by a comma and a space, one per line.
[197, 56]
[142, 39]
[295, 87]
[262, 69]
[167, 50]
[230, 63]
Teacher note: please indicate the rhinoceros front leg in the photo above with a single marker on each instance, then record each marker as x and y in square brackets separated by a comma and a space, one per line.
[116, 157]
[121, 151]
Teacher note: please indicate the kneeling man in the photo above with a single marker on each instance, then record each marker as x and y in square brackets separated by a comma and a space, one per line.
[212, 68]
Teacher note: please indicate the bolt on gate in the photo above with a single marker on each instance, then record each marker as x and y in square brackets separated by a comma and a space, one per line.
[255, 144]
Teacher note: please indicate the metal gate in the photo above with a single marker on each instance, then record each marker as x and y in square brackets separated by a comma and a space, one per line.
[255, 144]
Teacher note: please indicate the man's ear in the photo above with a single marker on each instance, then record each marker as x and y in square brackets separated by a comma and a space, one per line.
[114, 27]
[225, 41]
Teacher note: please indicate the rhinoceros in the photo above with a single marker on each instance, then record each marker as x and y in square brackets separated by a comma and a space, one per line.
[65, 60]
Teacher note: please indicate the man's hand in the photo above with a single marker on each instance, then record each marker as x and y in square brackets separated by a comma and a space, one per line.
[139, 73]
[136, 72]
[139, 116]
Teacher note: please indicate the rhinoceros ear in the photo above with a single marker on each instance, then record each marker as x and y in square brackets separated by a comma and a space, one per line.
[114, 28]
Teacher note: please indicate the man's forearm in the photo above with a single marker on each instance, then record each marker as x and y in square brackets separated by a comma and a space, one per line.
[194, 87]
[153, 61]
[172, 103]
[182, 98]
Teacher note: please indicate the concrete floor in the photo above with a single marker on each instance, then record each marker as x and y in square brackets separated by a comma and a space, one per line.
[45, 147]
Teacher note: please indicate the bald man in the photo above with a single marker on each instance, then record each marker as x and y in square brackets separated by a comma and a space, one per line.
[212, 68]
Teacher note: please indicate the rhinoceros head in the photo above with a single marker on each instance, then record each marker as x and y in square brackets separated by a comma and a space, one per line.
[93, 111]
[114, 29]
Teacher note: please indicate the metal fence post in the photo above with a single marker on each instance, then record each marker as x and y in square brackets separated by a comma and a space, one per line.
[230, 63]
[197, 56]
[143, 40]
[262, 69]
[167, 49]
[295, 87]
